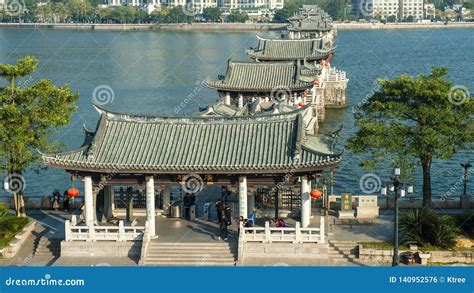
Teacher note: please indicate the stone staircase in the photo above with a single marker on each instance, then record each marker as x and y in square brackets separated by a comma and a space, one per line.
[190, 254]
[48, 248]
[343, 251]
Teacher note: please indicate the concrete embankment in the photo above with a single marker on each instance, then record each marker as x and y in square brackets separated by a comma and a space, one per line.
[228, 26]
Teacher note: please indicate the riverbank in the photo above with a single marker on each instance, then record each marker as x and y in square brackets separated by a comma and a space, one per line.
[228, 26]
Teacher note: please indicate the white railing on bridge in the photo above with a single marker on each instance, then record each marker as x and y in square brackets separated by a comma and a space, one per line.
[121, 232]
[297, 234]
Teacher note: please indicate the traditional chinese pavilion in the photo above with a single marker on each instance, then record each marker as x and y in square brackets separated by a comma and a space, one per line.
[128, 149]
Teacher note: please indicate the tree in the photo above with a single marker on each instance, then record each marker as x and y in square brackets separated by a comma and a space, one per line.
[237, 17]
[409, 120]
[391, 18]
[29, 114]
[212, 14]
[288, 10]
[178, 15]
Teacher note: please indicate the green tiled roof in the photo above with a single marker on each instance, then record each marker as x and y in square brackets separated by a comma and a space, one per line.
[284, 49]
[221, 109]
[265, 76]
[126, 143]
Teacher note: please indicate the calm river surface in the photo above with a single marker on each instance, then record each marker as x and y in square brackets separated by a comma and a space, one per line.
[153, 72]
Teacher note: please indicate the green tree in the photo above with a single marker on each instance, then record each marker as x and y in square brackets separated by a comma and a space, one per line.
[409, 120]
[288, 10]
[179, 14]
[392, 18]
[30, 112]
[212, 14]
[237, 17]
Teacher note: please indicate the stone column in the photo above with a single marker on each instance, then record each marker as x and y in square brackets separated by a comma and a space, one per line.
[305, 202]
[88, 201]
[243, 197]
[241, 101]
[227, 98]
[166, 200]
[150, 203]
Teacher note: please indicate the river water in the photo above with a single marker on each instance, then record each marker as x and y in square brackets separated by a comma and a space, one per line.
[154, 72]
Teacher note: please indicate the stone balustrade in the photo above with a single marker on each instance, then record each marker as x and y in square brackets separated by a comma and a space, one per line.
[297, 234]
[121, 232]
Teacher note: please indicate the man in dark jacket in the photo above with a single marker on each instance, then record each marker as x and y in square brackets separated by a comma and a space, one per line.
[220, 210]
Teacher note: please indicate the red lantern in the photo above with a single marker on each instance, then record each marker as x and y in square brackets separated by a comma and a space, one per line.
[316, 194]
[305, 94]
[301, 104]
[73, 192]
[316, 82]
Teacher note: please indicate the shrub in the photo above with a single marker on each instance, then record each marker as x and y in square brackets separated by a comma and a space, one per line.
[425, 227]
[9, 225]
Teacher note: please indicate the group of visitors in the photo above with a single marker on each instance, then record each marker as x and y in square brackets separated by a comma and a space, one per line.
[224, 217]
[56, 200]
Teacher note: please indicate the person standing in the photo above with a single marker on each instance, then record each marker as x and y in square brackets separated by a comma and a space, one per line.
[220, 210]
[223, 231]
[187, 205]
[66, 200]
[56, 199]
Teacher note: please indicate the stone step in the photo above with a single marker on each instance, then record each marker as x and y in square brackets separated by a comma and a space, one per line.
[197, 249]
[190, 263]
[189, 259]
[188, 253]
[215, 243]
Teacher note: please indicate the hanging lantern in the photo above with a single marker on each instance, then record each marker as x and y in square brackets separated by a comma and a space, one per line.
[316, 193]
[301, 104]
[305, 94]
[316, 82]
[73, 192]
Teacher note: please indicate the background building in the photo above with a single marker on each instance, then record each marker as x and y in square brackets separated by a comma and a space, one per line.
[381, 9]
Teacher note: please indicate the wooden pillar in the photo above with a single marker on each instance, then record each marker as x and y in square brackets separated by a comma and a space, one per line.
[108, 202]
[88, 201]
[150, 203]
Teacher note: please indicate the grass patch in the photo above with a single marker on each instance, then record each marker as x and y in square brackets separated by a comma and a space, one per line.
[389, 246]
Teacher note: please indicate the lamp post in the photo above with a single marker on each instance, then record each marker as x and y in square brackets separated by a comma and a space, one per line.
[397, 186]
[466, 167]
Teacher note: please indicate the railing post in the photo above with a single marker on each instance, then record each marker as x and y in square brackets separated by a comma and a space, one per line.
[267, 232]
[67, 230]
[321, 229]
[298, 233]
[73, 220]
[91, 233]
[121, 235]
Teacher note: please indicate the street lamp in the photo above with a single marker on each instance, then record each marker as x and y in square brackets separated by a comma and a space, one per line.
[466, 167]
[400, 189]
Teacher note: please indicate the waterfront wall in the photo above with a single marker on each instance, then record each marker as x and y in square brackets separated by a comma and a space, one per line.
[227, 26]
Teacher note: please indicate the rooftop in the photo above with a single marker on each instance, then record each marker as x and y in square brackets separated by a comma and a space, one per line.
[266, 76]
[127, 143]
[288, 49]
